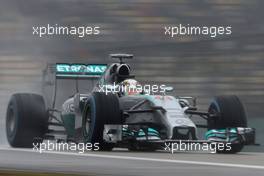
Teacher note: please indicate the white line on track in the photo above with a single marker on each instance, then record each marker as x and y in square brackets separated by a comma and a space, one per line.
[245, 166]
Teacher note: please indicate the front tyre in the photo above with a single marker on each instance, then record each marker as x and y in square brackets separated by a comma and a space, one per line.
[229, 113]
[100, 109]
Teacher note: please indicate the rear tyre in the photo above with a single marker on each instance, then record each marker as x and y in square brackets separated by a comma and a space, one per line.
[99, 110]
[26, 120]
[231, 113]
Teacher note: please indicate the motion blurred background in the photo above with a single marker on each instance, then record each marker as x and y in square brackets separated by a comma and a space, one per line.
[197, 66]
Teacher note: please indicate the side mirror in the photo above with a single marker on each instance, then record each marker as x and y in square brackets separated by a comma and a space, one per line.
[169, 89]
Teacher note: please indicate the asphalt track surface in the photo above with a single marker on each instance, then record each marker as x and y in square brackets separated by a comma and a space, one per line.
[120, 162]
[200, 67]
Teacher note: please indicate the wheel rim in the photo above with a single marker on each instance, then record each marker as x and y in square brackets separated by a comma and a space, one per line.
[212, 122]
[87, 123]
[11, 120]
[213, 109]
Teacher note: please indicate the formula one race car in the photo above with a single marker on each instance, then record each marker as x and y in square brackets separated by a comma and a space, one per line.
[119, 112]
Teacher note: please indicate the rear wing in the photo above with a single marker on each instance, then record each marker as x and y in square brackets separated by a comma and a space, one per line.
[79, 71]
[70, 71]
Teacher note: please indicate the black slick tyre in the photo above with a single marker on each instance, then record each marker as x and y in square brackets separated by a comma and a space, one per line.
[231, 113]
[100, 109]
[26, 120]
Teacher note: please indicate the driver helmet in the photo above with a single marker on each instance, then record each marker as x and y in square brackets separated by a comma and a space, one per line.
[131, 87]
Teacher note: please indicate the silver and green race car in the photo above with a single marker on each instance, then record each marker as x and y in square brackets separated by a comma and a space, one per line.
[109, 116]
